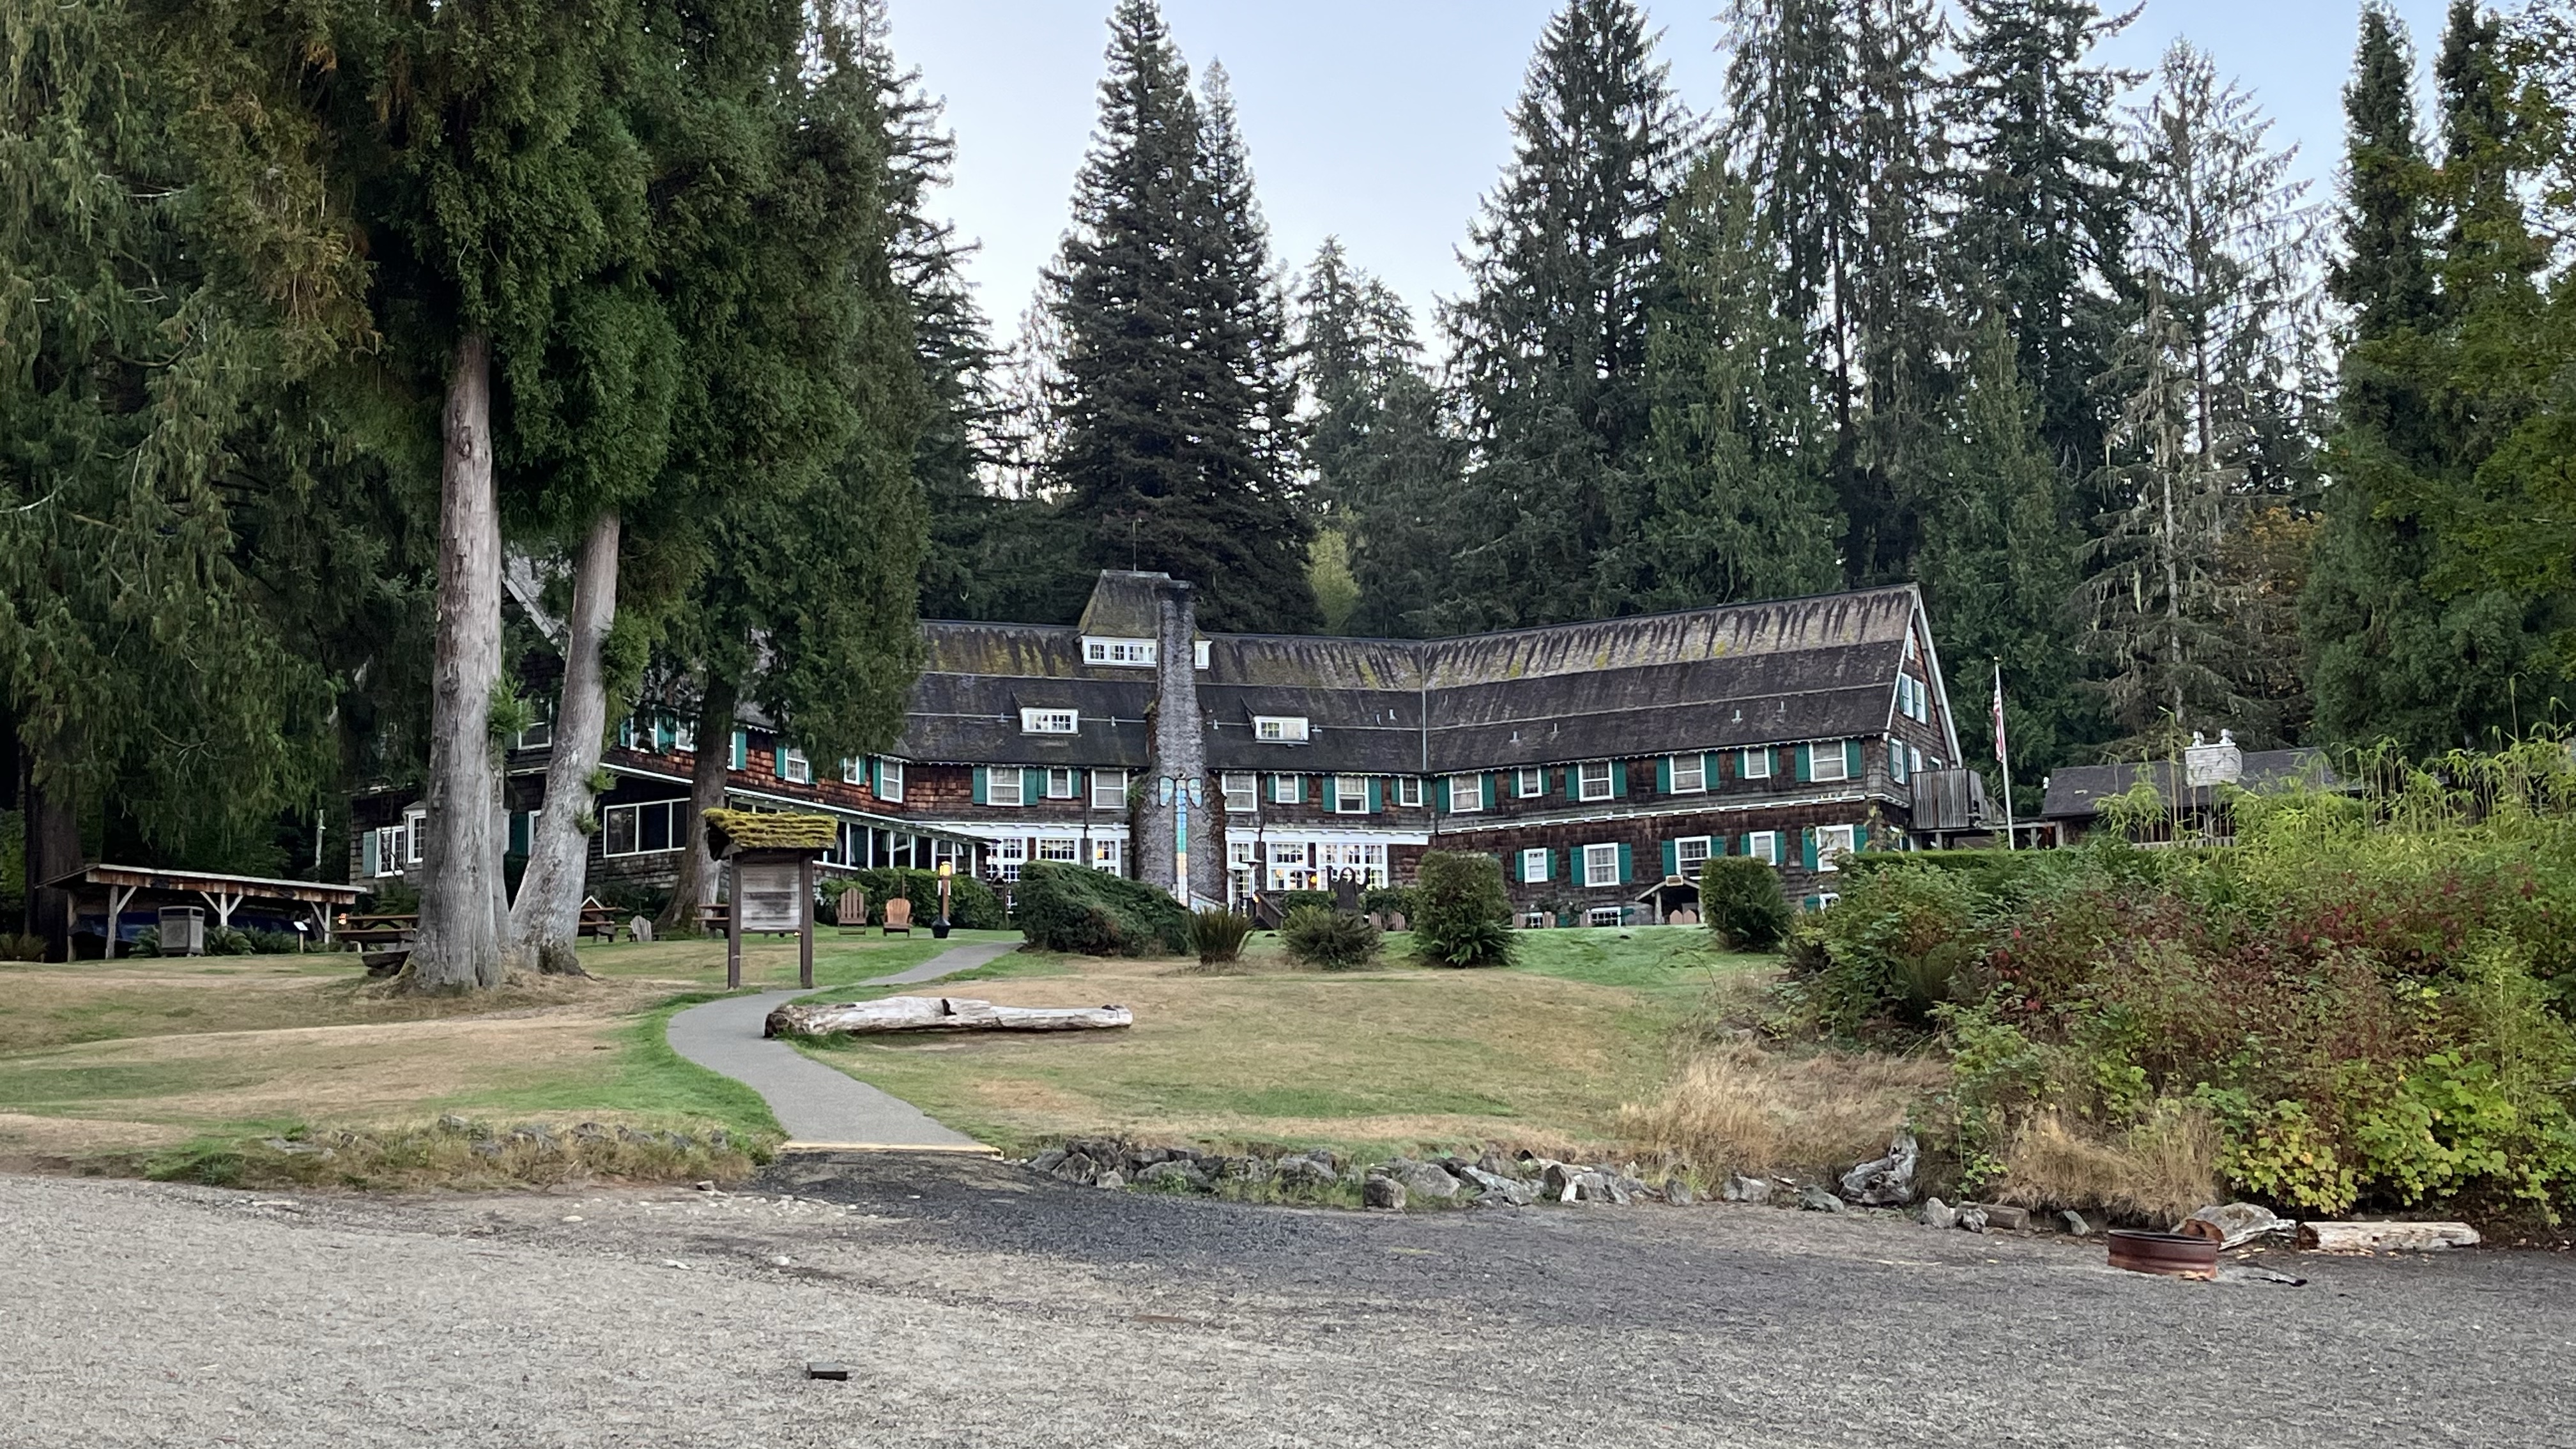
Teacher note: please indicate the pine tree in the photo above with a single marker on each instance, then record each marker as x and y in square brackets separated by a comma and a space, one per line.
[1549, 344]
[1175, 451]
[1382, 466]
[1999, 562]
[2046, 220]
[1740, 507]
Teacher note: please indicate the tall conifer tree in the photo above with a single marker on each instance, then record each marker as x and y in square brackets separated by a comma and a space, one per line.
[1549, 344]
[1175, 451]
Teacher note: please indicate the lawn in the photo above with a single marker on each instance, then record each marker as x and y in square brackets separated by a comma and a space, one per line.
[1542, 1054]
[136, 1056]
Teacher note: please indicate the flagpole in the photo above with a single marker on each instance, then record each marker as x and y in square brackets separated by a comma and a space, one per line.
[2003, 753]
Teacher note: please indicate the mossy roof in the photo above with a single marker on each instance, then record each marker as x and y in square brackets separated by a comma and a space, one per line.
[770, 830]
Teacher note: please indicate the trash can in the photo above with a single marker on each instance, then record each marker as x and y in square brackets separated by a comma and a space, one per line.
[183, 931]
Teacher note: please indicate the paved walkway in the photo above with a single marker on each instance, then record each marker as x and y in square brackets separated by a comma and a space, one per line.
[818, 1106]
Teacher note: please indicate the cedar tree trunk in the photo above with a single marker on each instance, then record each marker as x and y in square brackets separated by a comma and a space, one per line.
[459, 943]
[545, 921]
[53, 848]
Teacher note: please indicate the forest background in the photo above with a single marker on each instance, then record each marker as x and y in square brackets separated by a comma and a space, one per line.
[1928, 294]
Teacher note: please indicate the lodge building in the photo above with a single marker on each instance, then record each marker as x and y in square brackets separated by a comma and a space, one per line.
[1600, 762]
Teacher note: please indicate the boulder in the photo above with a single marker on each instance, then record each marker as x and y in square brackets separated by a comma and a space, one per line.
[1939, 1214]
[2233, 1224]
[1111, 1178]
[1048, 1160]
[1494, 1187]
[1421, 1179]
[1244, 1169]
[641, 929]
[1077, 1167]
[1972, 1219]
[1740, 1188]
[1607, 1187]
[2005, 1218]
[1171, 1175]
[1885, 1181]
[2076, 1223]
[1817, 1200]
[1678, 1192]
[1382, 1192]
[1305, 1172]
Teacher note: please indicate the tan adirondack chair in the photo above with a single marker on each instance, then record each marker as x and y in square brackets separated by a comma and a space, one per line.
[898, 916]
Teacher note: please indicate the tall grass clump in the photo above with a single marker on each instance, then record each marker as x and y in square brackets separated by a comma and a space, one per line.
[2364, 1001]
[1323, 937]
[1466, 915]
[1218, 935]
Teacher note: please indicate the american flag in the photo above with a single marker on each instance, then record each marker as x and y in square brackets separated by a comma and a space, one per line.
[2003, 753]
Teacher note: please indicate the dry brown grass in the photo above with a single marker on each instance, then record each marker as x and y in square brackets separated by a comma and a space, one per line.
[2159, 1172]
[1739, 1108]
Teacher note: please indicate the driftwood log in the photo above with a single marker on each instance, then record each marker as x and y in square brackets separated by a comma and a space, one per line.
[2385, 1237]
[937, 1013]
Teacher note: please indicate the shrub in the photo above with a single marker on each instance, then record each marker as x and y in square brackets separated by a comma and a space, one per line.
[972, 905]
[1405, 901]
[1739, 898]
[1465, 918]
[222, 942]
[1291, 902]
[1321, 936]
[1218, 936]
[1093, 913]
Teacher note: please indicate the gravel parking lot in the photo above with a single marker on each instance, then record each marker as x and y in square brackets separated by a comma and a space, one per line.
[976, 1304]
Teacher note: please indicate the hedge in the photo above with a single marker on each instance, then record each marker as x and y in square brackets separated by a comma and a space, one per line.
[1093, 913]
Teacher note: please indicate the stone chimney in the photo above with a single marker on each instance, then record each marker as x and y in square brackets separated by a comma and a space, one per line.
[1179, 757]
[2206, 764]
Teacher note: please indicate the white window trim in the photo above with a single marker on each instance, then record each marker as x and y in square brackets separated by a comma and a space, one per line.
[1754, 764]
[854, 770]
[1350, 794]
[1287, 789]
[1050, 721]
[1681, 861]
[1608, 852]
[1538, 856]
[1241, 790]
[1617, 916]
[999, 776]
[795, 769]
[1818, 754]
[1583, 786]
[1061, 850]
[1472, 784]
[1826, 854]
[1121, 652]
[1072, 783]
[890, 781]
[1764, 846]
[1529, 782]
[1112, 783]
[1699, 763]
[678, 836]
[1408, 791]
[415, 824]
[1281, 729]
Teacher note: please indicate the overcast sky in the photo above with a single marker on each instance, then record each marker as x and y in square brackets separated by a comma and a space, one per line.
[1384, 121]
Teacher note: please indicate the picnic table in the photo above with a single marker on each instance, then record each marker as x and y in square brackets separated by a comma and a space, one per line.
[379, 929]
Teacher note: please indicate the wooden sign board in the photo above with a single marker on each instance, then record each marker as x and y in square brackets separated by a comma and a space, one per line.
[772, 895]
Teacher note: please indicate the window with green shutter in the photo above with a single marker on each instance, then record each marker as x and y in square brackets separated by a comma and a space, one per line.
[1618, 779]
[1627, 864]
[740, 759]
[1853, 769]
[983, 787]
[1672, 858]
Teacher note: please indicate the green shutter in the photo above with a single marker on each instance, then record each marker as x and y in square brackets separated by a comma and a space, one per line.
[1618, 779]
[1440, 793]
[1664, 775]
[738, 757]
[1807, 847]
[1376, 794]
[1561, 863]
[1720, 845]
[1672, 857]
[1708, 771]
[1806, 763]
[1627, 866]
[1032, 788]
[369, 862]
[1512, 859]
[1574, 782]
[981, 776]
[1852, 765]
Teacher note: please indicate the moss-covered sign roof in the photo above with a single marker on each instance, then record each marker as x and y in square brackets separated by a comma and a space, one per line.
[769, 830]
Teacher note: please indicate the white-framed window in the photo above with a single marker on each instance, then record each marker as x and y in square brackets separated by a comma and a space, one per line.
[415, 834]
[1601, 865]
[1290, 870]
[1063, 784]
[1199, 655]
[1826, 762]
[1365, 859]
[1066, 851]
[1002, 786]
[1529, 782]
[1764, 846]
[794, 768]
[854, 771]
[1242, 791]
[1287, 729]
[1753, 764]
[1008, 856]
[1534, 864]
[541, 734]
[656, 825]
[1108, 855]
[1690, 774]
[1119, 651]
[1050, 721]
[1606, 916]
[1689, 854]
[1833, 842]
[890, 781]
[1592, 780]
[1914, 759]
[1350, 794]
[1466, 794]
[1287, 789]
[387, 847]
[1408, 791]
[1109, 789]
[1896, 762]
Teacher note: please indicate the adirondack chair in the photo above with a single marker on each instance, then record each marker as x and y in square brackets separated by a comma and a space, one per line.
[898, 916]
[850, 912]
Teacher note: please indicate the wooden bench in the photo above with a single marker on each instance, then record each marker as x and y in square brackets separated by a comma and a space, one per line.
[359, 932]
[600, 923]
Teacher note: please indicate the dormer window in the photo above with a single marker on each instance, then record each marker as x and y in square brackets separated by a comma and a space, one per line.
[1050, 721]
[1134, 653]
[1283, 729]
